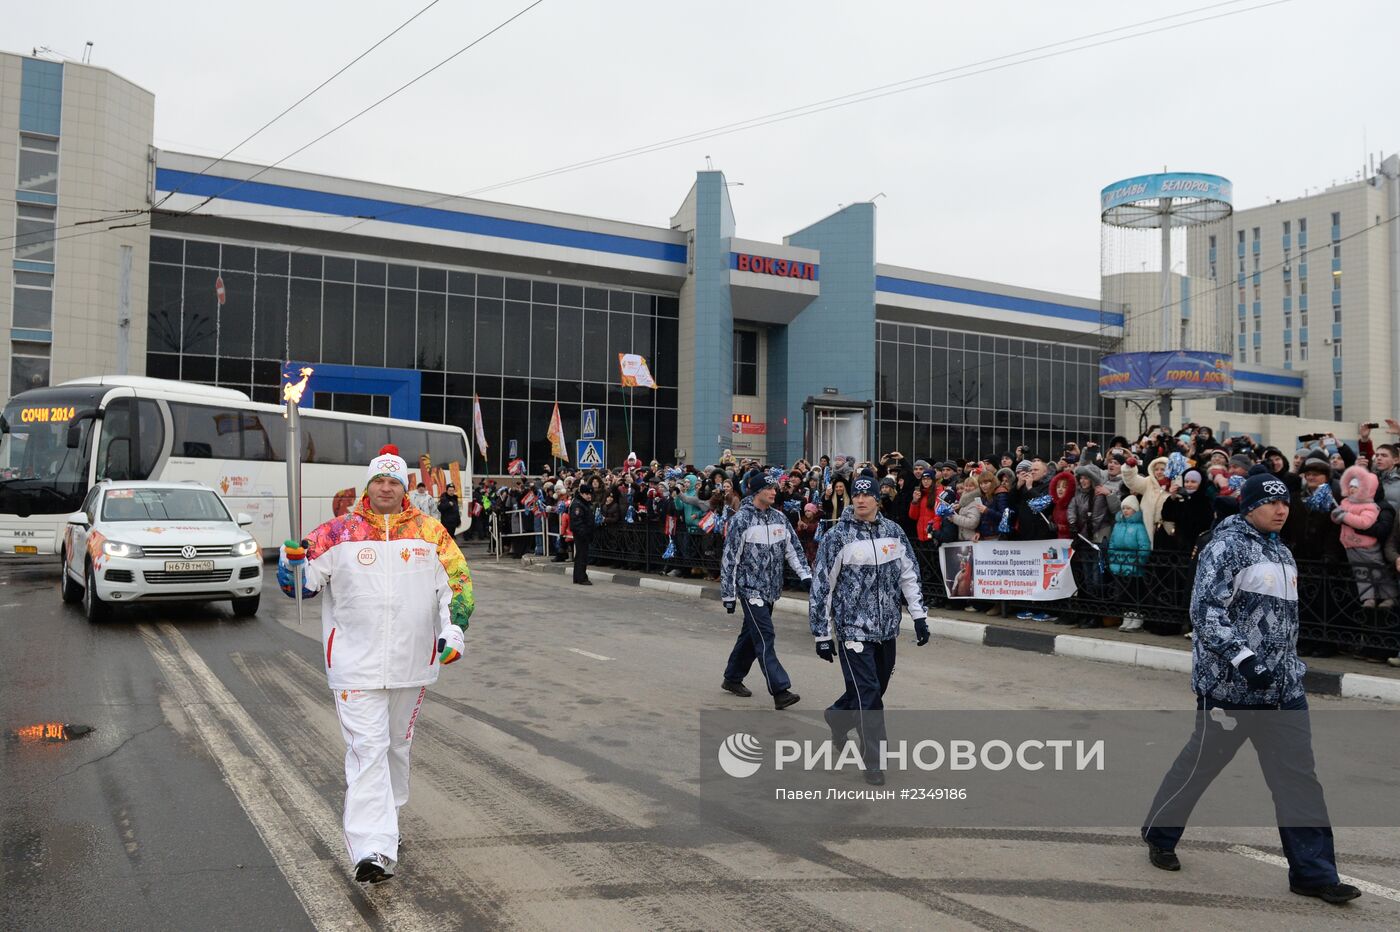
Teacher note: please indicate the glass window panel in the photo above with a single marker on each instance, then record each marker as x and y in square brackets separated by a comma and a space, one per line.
[663, 367]
[432, 279]
[620, 301]
[595, 298]
[197, 326]
[568, 392]
[644, 304]
[38, 171]
[337, 322]
[516, 328]
[304, 324]
[642, 331]
[595, 346]
[461, 283]
[515, 388]
[369, 272]
[235, 336]
[923, 358]
[403, 276]
[401, 328]
[365, 440]
[198, 368]
[490, 286]
[571, 295]
[270, 320]
[202, 254]
[570, 354]
[166, 249]
[1045, 387]
[517, 289]
[904, 387]
[369, 326]
[461, 333]
[237, 258]
[489, 331]
[306, 265]
[543, 340]
[163, 365]
[33, 307]
[34, 232]
[515, 425]
[273, 261]
[235, 372]
[887, 371]
[668, 307]
[544, 293]
[619, 341]
[432, 331]
[666, 434]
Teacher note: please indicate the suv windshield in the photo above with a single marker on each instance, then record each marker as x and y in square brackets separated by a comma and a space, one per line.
[163, 505]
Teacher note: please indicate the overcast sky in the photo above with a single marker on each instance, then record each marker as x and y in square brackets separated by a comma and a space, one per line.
[992, 176]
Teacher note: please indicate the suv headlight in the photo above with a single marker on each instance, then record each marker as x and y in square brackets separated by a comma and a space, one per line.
[245, 548]
[115, 548]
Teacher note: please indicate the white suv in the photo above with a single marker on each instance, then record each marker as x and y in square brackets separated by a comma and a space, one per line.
[140, 541]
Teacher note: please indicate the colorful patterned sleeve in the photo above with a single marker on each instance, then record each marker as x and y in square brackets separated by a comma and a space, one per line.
[459, 577]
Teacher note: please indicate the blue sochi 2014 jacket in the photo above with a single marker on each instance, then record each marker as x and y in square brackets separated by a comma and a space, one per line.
[756, 543]
[864, 574]
[1245, 597]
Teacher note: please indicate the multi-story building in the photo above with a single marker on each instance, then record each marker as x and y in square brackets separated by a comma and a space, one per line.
[76, 139]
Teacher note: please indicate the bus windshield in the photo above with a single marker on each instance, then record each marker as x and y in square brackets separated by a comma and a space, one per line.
[40, 473]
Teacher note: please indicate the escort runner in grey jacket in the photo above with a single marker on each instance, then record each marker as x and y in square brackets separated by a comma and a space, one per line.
[1245, 602]
[755, 546]
[862, 569]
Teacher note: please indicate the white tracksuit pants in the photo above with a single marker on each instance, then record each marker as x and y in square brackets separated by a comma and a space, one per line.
[378, 728]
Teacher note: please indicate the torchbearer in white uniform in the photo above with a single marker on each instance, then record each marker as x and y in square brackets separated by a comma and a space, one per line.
[397, 598]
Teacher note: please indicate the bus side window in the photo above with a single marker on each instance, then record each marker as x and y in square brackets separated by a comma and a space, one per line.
[412, 443]
[365, 441]
[150, 431]
[261, 437]
[203, 432]
[446, 447]
[324, 441]
[114, 452]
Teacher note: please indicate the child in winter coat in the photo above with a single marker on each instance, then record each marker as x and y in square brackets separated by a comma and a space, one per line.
[1358, 511]
[1151, 490]
[1128, 549]
[1061, 493]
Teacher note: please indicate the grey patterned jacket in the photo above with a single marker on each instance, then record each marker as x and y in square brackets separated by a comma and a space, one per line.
[755, 545]
[1245, 599]
[862, 570]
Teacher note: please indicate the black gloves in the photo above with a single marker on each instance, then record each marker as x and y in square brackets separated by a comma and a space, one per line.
[1256, 674]
[729, 605]
[826, 650]
[920, 631]
[805, 584]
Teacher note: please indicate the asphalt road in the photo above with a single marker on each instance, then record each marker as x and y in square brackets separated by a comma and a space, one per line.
[554, 785]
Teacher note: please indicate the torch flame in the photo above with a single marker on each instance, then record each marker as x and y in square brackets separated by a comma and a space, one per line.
[292, 391]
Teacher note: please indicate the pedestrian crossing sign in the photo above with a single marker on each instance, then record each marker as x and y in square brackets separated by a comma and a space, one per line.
[590, 454]
[588, 428]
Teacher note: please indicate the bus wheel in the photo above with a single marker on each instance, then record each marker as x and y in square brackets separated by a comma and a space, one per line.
[93, 606]
[70, 590]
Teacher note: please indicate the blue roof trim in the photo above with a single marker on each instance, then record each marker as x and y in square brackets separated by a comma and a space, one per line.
[1242, 375]
[344, 205]
[1003, 302]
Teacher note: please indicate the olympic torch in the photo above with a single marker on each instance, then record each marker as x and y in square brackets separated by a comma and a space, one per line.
[291, 394]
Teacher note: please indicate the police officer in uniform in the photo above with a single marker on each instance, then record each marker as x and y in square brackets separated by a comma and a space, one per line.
[582, 524]
[865, 572]
[758, 541]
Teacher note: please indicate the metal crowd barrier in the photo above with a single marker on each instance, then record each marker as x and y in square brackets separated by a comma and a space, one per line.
[521, 522]
[1330, 594]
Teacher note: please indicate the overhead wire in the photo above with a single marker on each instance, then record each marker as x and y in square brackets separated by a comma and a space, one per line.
[304, 98]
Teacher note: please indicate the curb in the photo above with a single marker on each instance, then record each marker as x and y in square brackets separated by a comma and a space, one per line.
[1123, 653]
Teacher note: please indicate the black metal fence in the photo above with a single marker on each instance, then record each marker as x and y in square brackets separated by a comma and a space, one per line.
[1331, 596]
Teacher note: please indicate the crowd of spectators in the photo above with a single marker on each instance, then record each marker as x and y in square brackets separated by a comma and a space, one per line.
[1137, 512]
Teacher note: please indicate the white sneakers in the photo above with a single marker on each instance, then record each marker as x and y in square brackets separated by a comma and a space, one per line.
[1132, 621]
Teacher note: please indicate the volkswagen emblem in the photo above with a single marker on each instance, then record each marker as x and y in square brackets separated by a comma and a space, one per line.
[188, 552]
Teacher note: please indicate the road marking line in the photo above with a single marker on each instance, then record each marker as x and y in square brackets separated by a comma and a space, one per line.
[1365, 886]
[316, 883]
[396, 912]
[589, 654]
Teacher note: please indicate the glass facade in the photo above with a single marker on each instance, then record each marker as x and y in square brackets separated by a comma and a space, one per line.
[949, 393]
[1259, 403]
[520, 344]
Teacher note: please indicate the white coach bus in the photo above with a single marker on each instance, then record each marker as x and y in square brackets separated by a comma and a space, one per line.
[56, 442]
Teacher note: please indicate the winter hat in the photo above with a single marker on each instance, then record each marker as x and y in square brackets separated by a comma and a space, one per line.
[924, 465]
[1316, 464]
[1191, 474]
[1130, 502]
[810, 509]
[864, 484]
[1242, 461]
[388, 463]
[889, 481]
[1023, 466]
[1260, 489]
[757, 480]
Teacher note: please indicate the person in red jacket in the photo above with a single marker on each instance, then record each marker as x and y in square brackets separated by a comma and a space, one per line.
[1061, 494]
[926, 520]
